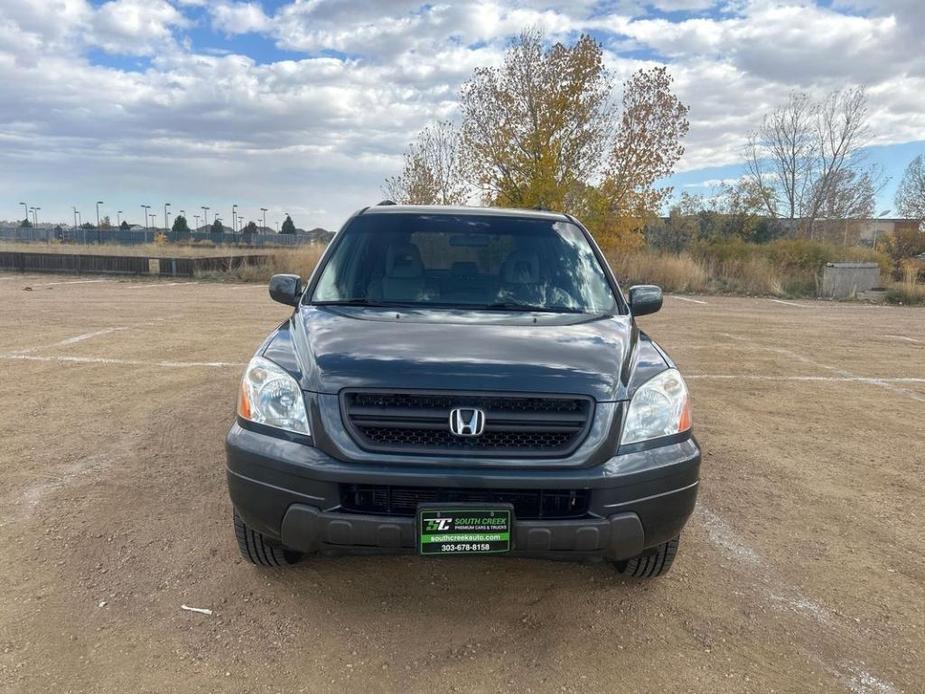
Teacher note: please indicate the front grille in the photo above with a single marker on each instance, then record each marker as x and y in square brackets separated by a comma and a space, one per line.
[409, 422]
[529, 504]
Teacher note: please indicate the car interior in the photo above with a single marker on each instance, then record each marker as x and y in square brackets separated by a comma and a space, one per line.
[402, 276]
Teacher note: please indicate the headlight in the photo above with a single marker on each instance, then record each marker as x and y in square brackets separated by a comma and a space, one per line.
[272, 397]
[660, 407]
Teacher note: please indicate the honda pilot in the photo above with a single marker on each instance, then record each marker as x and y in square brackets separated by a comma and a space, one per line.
[463, 381]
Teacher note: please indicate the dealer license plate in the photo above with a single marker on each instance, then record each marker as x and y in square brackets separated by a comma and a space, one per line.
[460, 529]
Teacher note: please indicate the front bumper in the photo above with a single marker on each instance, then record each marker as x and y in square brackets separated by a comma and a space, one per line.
[291, 493]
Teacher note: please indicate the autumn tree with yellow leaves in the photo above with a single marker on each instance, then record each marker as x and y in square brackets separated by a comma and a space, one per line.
[543, 130]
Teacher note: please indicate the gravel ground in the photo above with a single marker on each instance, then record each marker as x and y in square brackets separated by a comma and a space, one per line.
[800, 571]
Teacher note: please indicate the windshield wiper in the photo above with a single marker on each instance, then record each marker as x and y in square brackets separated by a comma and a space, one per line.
[498, 306]
[527, 308]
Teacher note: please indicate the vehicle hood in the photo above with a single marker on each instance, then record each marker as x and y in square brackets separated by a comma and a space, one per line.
[350, 347]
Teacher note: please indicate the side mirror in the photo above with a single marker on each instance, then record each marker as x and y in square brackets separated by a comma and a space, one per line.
[645, 298]
[286, 289]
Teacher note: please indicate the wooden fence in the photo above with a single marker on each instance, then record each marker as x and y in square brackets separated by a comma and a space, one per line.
[122, 264]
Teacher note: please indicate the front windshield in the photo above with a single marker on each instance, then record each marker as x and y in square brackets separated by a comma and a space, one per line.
[465, 261]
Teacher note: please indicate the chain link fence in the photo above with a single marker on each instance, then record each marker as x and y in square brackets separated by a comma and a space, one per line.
[130, 237]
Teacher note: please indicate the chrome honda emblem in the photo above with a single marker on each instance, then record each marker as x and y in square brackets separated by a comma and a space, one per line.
[467, 421]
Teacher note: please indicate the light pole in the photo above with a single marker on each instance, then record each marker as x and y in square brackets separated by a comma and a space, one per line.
[234, 216]
[166, 223]
[146, 208]
[205, 215]
[75, 217]
[35, 215]
[196, 217]
[26, 208]
[264, 210]
[118, 218]
[99, 233]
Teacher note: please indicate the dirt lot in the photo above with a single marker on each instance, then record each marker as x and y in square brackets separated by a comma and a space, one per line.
[802, 569]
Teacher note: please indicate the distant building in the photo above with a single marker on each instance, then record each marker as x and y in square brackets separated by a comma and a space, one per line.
[865, 231]
[869, 230]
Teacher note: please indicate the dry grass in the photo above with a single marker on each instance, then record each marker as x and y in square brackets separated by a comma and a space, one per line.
[908, 290]
[780, 268]
[682, 272]
[147, 249]
[674, 273]
[298, 261]
[751, 275]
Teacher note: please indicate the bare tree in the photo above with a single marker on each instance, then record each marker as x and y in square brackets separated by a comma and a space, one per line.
[910, 196]
[780, 155]
[432, 172]
[850, 195]
[807, 158]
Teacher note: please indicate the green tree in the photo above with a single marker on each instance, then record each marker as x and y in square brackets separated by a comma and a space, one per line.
[180, 225]
[25, 224]
[288, 226]
[250, 228]
[217, 227]
[124, 226]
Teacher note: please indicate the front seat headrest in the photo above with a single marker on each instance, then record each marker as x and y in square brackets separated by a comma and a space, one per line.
[521, 267]
[403, 260]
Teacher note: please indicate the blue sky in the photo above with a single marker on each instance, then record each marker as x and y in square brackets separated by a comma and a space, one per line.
[304, 106]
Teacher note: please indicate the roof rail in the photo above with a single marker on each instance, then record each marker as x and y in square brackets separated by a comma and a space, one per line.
[386, 202]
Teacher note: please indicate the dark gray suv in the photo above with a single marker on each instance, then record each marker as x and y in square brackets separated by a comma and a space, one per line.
[458, 381]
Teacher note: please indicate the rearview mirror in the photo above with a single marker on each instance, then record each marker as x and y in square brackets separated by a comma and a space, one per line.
[645, 298]
[286, 289]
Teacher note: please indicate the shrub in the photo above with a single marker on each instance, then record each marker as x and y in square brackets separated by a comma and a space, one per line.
[904, 243]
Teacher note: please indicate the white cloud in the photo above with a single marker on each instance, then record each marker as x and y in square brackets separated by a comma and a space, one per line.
[682, 5]
[239, 17]
[135, 27]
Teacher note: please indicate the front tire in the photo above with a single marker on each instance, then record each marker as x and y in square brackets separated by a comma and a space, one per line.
[259, 550]
[653, 563]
